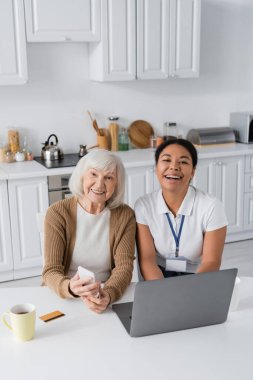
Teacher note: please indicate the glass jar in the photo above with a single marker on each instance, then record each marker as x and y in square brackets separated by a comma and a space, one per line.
[123, 139]
[27, 150]
[9, 157]
[170, 131]
[3, 150]
[13, 140]
[153, 142]
[114, 132]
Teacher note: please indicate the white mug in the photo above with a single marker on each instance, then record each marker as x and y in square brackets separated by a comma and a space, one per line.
[235, 300]
[22, 321]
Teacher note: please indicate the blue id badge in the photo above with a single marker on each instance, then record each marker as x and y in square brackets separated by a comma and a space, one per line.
[177, 264]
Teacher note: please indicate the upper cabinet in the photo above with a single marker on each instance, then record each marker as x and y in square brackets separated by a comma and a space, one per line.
[185, 38]
[62, 20]
[114, 57]
[153, 39]
[13, 61]
[147, 39]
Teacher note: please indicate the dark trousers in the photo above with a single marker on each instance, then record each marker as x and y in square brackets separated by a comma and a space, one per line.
[169, 273]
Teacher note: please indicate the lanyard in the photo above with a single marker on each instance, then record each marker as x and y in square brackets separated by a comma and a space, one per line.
[176, 237]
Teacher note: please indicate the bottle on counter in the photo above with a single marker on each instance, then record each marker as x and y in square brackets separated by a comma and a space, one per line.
[19, 156]
[9, 157]
[153, 140]
[3, 150]
[123, 139]
[27, 150]
[170, 131]
[114, 132]
[13, 140]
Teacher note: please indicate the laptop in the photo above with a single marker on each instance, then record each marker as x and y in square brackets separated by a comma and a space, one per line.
[178, 303]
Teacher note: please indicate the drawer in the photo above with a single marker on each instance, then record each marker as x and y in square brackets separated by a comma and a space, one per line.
[248, 185]
[249, 163]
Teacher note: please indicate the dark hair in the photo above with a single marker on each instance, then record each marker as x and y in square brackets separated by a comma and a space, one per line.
[184, 143]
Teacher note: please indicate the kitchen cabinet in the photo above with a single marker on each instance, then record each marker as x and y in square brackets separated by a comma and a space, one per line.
[147, 39]
[13, 59]
[6, 261]
[27, 197]
[62, 20]
[114, 57]
[139, 181]
[248, 196]
[185, 38]
[223, 178]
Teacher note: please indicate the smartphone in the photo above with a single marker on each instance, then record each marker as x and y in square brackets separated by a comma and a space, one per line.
[84, 273]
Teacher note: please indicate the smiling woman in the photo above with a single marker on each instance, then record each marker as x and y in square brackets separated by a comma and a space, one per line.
[93, 229]
[180, 229]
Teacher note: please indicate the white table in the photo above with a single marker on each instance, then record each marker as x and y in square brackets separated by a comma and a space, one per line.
[83, 345]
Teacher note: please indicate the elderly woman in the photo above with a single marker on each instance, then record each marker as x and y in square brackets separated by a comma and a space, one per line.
[93, 229]
[180, 229]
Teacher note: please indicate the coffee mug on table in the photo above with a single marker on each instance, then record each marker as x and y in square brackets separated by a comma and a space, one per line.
[22, 321]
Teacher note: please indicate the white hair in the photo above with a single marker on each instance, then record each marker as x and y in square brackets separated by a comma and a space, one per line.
[103, 160]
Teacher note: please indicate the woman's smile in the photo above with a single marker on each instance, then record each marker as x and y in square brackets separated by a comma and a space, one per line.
[97, 192]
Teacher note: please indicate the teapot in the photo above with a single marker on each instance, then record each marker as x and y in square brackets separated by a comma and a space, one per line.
[51, 151]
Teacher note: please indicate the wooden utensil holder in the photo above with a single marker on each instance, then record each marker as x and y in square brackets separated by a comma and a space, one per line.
[102, 140]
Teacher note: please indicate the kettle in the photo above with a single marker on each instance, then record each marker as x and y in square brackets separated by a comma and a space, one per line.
[51, 151]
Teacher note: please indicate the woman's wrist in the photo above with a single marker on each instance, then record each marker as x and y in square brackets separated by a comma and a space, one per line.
[70, 291]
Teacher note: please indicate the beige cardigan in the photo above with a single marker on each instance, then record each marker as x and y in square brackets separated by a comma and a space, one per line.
[60, 235]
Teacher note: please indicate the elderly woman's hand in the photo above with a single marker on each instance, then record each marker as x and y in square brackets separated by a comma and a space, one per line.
[97, 303]
[84, 287]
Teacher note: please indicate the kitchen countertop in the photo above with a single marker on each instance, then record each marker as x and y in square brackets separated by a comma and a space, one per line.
[132, 158]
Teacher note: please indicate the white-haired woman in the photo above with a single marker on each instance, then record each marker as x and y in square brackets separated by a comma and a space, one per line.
[93, 229]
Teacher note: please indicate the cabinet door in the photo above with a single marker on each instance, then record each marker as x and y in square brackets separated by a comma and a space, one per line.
[27, 197]
[153, 31]
[229, 189]
[6, 261]
[62, 20]
[223, 178]
[248, 211]
[114, 57]
[204, 178]
[139, 181]
[13, 61]
[185, 38]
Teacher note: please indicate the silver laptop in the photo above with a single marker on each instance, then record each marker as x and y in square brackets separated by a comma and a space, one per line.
[178, 303]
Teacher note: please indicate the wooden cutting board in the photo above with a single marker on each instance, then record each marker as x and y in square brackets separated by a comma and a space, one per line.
[139, 133]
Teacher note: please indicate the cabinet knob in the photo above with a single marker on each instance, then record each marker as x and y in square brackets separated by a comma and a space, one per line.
[67, 38]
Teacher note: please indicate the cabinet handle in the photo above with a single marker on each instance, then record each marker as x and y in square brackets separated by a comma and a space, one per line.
[67, 38]
[218, 163]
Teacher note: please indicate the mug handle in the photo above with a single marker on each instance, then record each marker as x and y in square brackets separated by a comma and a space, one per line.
[4, 320]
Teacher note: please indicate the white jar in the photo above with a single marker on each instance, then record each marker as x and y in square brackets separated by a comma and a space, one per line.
[20, 156]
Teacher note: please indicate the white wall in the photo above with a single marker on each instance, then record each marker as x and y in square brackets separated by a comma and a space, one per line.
[59, 92]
